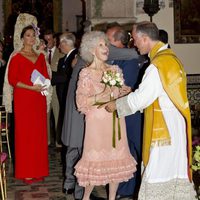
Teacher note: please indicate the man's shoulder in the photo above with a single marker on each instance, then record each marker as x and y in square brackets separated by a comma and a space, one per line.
[122, 53]
[57, 53]
[61, 60]
[131, 62]
[116, 49]
[72, 54]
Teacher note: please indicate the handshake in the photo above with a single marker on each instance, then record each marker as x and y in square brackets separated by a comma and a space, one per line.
[38, 78]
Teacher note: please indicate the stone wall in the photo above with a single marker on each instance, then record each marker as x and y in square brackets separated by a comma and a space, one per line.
[107, 11]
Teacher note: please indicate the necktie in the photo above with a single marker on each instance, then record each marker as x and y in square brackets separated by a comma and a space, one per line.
[49, 56]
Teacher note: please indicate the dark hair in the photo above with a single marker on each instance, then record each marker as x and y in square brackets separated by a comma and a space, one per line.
[148, 28]
[121, 35]
[29, 27]
[112, 25]
[2, 43]
[49, 32]
[163, 36]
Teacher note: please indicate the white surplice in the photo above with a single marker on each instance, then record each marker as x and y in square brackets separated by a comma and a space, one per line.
[166, 162]
[165, 176]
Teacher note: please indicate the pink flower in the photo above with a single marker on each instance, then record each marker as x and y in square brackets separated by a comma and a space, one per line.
[36, 29]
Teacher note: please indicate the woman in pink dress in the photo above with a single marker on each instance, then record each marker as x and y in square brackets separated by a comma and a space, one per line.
[101, 163]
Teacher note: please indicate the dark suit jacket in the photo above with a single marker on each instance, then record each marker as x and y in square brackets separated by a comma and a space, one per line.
[62, 76]
[73, 124]
[131, 71]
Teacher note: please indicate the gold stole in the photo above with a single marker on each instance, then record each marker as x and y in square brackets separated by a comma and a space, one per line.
[174, 84]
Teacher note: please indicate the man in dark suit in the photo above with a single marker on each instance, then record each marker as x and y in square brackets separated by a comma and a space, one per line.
[64, 70]
[73, 133]
[53, 55]
[130, 68]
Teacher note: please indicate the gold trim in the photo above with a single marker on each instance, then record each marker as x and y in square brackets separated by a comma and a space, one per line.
[159, 143]
[57, 15]
[7, 9]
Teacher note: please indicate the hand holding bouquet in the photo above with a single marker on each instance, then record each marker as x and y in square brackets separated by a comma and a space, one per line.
[112, 79]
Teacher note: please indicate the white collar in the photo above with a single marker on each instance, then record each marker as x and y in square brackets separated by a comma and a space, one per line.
[70, 52]
[161, 48]
[52, 50]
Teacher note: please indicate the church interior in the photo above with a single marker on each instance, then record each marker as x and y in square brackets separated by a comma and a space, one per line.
[181, 20]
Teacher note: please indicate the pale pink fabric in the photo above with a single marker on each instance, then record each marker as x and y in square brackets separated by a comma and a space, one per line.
[3, 157]
[101, 163]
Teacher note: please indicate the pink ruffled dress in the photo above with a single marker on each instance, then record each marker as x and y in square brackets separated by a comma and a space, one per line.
[101, 163]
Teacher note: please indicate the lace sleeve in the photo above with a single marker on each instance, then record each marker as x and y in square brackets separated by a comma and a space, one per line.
[7, 88]
[83, 91]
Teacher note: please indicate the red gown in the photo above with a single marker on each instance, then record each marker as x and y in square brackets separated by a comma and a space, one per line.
[30, 112]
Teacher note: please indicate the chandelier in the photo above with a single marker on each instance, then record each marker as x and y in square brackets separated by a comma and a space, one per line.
[151, 7]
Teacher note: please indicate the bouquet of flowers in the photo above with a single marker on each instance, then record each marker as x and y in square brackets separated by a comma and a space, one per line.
[113, 79]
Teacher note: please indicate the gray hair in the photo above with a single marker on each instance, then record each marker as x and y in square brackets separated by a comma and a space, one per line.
[148, 28]
[121, 35]
[89, 42]
[69, 38]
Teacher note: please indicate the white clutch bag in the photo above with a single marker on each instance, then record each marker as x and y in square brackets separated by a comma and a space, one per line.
[38, 78]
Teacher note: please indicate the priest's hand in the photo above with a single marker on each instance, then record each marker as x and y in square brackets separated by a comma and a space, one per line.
[124, 90]
[110, 106]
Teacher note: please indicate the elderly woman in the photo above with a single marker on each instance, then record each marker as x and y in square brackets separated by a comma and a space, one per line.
[103, 162]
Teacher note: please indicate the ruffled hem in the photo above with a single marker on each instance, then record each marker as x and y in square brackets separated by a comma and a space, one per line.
[102, 173]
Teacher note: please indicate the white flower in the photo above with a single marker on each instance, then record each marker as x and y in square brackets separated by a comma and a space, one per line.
[118, 79]
[121, 82]
[112, 82]
[105, 80]
[106, 76]
[117, 74]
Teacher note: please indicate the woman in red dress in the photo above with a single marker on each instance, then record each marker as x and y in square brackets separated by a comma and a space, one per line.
[30, 110]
